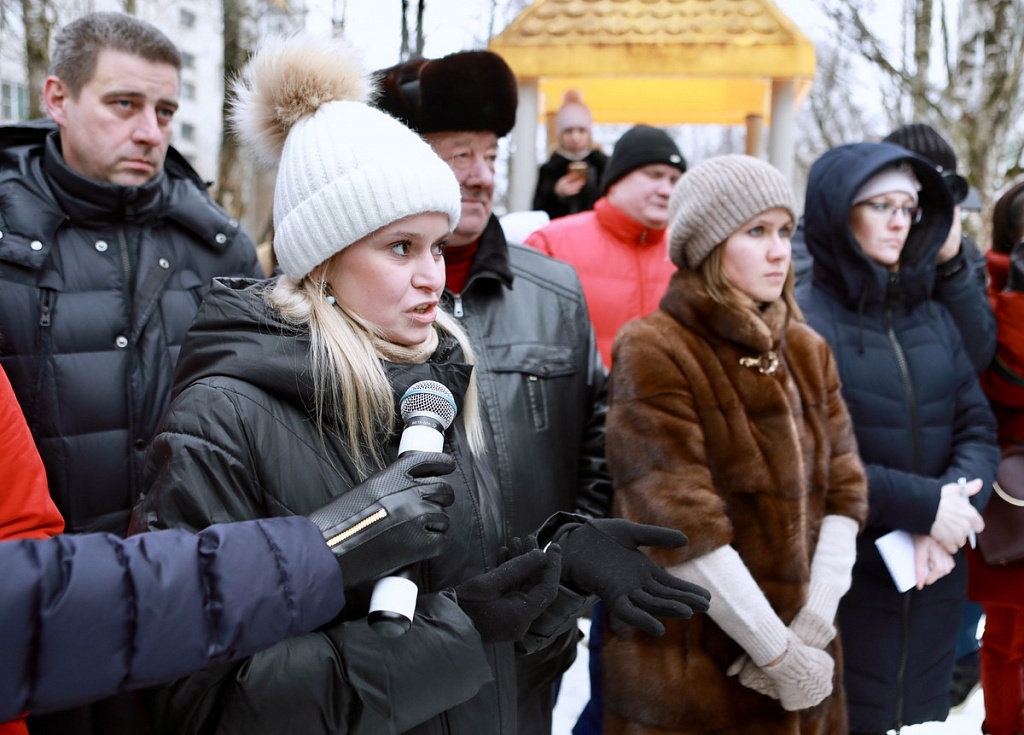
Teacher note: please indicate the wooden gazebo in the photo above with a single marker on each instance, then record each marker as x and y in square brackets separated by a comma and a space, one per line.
[661, 62]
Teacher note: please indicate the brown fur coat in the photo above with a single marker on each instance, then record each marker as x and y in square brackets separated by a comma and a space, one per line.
[699, 441]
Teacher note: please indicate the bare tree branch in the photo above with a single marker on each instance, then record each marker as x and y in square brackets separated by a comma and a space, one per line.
[38, 19]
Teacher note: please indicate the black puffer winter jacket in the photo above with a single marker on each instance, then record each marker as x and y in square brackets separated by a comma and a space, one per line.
[240, 442]
[921, 421]
[98, 285]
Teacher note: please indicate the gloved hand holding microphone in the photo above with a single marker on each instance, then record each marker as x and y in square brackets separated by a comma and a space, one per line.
[396, 518]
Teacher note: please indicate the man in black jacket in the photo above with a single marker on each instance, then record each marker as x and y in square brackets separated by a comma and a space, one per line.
[541, 380]
[108, 241]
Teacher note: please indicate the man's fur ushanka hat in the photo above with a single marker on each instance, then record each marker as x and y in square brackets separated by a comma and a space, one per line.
[468, 90]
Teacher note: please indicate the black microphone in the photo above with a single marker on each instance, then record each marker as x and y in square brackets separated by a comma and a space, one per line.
[428, 409]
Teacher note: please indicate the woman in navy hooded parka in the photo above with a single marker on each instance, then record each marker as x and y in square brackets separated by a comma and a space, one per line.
[875, 216]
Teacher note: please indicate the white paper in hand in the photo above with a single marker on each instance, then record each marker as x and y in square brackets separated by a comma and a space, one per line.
[897, 550]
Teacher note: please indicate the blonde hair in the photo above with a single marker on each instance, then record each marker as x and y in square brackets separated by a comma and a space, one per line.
[351, 388]
[721, 290]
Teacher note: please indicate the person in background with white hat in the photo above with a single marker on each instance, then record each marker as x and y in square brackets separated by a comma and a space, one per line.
[542, 379]
[570, 180]
[286, 396]
[875, 218]
[726, 422]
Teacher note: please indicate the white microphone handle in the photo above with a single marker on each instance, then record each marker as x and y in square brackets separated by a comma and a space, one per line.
[393, 601]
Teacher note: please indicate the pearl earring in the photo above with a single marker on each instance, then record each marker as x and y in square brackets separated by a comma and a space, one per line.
[328, 295]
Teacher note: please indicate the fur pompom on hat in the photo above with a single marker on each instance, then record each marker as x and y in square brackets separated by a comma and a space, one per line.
[573, 113]
[344, 168]
[467, 90]
[713, 199]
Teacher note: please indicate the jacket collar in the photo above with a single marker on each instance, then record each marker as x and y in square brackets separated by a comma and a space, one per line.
[623, 227]
[689, 304]
[492, 260]
[90, 202]
[237, 334]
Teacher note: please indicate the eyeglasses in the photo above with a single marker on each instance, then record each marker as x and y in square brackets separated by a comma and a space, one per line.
[888, 210]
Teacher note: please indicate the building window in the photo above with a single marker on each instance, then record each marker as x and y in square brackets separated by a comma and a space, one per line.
[188, 131]
[188, 60]
[13, 102]
[188, 91]
[186, 18]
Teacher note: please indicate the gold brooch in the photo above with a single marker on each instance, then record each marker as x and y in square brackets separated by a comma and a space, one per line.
[766, 364]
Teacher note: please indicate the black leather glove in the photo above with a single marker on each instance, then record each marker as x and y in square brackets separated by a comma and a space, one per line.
[504, 601]
[1015, 278]
[600, 556]
[391, 520]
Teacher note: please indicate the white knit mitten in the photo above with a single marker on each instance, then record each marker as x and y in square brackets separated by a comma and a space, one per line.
[831, 576]
[801, 680]
[738, 606]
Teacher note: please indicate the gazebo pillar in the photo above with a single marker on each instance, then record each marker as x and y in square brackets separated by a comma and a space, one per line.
[522, 178]
[755, 135]
[781, 148]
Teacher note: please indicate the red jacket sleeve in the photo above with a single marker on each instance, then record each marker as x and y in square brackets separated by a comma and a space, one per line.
[26, 510]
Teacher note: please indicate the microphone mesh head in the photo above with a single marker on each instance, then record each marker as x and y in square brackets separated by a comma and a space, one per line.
[429, 396]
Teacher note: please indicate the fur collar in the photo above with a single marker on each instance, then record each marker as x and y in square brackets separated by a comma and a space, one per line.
[688, 303]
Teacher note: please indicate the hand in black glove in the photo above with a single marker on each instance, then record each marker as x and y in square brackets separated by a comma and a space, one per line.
[391, 520]
[1015, 279]
[504, 601]
[600, 557]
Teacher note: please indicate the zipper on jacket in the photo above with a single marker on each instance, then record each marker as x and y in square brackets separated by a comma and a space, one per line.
[126, 261]
[901, 669]
[356, 528]
[908, 386]
[457, 310]
[47, 297]
[46, 308]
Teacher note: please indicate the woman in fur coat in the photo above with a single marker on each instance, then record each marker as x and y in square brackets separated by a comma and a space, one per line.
[726, 422]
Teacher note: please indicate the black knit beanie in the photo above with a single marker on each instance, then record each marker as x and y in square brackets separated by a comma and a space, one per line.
[641, 146]
[925, 141]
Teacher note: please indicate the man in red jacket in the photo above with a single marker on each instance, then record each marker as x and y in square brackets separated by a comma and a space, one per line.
[619, 248]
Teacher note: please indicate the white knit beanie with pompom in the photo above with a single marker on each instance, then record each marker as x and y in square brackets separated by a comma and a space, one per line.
[345, 169]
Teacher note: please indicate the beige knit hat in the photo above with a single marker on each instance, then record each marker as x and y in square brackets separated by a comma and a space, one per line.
[714, 198]
[344, 168]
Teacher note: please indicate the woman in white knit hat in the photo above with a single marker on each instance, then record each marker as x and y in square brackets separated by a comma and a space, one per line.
[726, 422]
[287, 393]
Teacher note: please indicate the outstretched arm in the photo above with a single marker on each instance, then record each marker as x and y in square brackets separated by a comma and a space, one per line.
[137, 612]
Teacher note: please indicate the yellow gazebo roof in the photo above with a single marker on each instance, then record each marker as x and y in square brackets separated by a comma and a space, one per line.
[662, 62]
